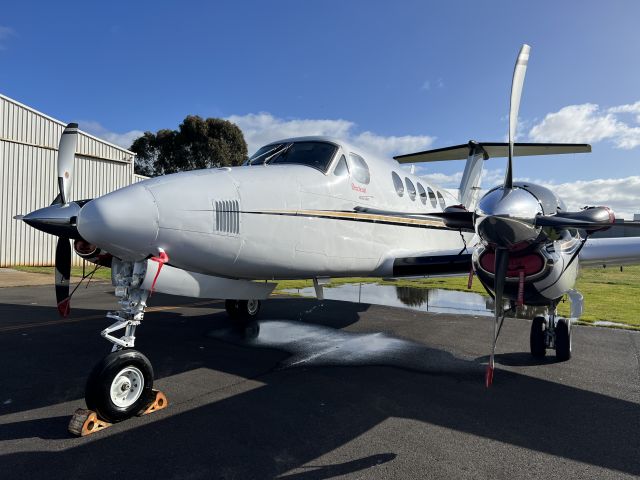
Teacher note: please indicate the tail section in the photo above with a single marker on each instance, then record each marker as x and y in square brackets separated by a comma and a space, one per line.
[475, 152]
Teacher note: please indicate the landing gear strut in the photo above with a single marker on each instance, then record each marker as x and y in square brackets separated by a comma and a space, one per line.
[550, 332]
[121, 384]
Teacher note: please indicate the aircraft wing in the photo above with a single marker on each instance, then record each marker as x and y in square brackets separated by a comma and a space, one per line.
[493, 150]
[598, 252]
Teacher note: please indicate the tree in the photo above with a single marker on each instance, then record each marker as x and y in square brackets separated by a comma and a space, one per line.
[198, 143]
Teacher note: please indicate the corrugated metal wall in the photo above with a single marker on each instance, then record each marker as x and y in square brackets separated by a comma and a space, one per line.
[28, 149]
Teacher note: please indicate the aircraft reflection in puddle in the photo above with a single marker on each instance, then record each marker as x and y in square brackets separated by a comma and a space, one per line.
[318, 345]
[433, 300]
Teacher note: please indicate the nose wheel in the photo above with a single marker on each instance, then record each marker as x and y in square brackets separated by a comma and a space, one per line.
[120, 385]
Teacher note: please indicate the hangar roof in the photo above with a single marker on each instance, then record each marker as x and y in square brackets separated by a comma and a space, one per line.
[24, 125]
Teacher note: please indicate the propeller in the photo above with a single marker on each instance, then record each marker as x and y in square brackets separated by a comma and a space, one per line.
[59, 218]
[66, 157]
[502, 254]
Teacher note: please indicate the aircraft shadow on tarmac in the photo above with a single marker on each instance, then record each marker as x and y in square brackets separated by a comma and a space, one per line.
[305, 407]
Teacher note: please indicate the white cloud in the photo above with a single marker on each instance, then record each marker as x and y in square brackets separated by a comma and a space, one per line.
[620, 194]
[629, 108]
[123, 139]
[452, 181]
[428, 84]
[589, 124]
[262, 128]
[5, 33]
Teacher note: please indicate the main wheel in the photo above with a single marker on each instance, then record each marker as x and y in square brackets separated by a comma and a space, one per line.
[120, 385]
[242, 310]
[537, 337]
[563, 339]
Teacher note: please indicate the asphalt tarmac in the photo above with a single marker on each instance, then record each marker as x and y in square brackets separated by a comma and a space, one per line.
[316, 390]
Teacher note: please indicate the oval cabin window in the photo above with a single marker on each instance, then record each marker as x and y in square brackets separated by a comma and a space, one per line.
[411, 189]
[422, 193]
[432, 197]
[397, 183]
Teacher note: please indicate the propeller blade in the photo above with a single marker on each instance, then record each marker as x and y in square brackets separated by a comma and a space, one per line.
[500, 276]
[517, 83]
[62, 275]
[590, 219]
[66, 155]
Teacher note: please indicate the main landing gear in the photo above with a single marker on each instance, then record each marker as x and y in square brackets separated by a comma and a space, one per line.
[242, 312]
[550, 332]
[121, 384]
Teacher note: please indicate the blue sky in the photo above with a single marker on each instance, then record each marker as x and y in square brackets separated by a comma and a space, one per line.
[398, 75]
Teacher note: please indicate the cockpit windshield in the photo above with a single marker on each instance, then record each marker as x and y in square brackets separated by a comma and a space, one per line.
[314, 154]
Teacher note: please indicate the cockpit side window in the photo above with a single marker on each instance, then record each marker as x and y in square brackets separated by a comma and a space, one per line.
[317, 155]
[359, 169]
[341, 169]
[397, 183]
[265, 153]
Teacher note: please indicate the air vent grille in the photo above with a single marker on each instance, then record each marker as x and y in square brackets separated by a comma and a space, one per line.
[228, 216]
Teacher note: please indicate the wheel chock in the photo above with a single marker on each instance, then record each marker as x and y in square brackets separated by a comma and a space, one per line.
[85, 422]
[159, 402]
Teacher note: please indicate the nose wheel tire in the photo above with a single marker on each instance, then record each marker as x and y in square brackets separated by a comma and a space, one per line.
[120, 385]
[563, 339]
[537, 339]
[242, 311]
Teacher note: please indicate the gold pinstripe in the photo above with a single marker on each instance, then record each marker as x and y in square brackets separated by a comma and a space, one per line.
[358, 216]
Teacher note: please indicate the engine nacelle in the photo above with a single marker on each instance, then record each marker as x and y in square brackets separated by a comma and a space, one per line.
[547, 271]
[92, 253]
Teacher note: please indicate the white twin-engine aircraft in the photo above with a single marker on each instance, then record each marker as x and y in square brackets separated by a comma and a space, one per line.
[315, 207]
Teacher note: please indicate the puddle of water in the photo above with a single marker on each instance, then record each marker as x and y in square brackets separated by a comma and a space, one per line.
[433, 300]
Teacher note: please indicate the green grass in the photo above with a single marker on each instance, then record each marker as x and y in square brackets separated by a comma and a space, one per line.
[609, 294]
[103, 273]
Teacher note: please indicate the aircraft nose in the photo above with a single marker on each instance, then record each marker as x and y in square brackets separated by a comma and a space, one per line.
[124, 222]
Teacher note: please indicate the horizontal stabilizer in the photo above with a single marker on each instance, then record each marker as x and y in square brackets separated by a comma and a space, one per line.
[493, 150]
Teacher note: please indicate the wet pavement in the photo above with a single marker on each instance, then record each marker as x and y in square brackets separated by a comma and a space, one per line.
[317, 390]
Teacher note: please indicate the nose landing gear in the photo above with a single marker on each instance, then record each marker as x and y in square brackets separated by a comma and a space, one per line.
[121, 384]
